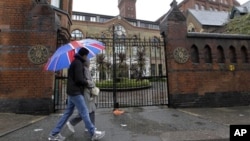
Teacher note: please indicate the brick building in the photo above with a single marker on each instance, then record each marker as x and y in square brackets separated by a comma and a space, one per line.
[211, 5]
[30, 32]
[90, 25]
[205, 69]
[206, 21]
[127, 8]
[206, 15]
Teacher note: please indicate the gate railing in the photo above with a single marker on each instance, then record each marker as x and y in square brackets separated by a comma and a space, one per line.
[60, 95]
[129, 72]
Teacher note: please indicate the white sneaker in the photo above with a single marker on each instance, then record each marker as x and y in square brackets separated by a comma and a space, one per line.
[98, 135]
[86, 130]
[71, 127]
[57, 137]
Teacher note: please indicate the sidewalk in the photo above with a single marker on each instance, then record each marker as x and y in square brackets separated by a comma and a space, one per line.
[10, 122]
[156, 123]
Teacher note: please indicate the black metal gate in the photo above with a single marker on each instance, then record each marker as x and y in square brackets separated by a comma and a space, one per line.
[129, 72]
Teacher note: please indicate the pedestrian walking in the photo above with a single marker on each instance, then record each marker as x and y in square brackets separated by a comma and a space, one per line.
[89, 99]
[75, 85]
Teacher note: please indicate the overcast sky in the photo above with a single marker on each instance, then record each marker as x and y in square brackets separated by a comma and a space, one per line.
[149, 10]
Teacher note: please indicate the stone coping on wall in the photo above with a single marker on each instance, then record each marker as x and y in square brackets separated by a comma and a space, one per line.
[217, 35]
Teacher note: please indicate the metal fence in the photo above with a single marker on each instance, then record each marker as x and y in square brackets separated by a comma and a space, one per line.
[129, 72]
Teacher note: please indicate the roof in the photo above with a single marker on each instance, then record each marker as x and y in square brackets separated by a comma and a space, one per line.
[212, 18]
[243, 9]
[111, 17]
[246, 6]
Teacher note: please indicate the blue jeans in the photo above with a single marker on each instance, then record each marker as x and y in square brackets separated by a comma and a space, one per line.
[75, 120]
[79, 102]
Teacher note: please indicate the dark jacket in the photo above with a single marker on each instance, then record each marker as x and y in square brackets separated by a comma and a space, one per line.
[76, 80]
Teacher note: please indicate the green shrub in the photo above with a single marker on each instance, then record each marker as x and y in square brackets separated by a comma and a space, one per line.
[124, 83]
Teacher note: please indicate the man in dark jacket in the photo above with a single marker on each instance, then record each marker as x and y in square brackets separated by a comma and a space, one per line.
[75, 85]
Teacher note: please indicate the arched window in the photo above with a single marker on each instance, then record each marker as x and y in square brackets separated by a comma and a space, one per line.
[77, 34]
[202, 7]
[220, 55]
[232, 55]
[197, 7]
[244, 55]
[194, 54]
[207, 54]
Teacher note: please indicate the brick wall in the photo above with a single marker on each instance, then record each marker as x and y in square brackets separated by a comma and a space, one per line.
[24, 86]
[127, 8]
[205, 84]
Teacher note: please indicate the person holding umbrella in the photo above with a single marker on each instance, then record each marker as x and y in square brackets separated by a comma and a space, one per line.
[89, 99]
[75, 86]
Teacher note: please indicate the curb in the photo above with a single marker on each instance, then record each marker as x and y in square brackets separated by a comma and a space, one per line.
[22, 126]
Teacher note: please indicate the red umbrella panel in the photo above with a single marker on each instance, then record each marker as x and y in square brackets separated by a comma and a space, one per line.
[64, 55]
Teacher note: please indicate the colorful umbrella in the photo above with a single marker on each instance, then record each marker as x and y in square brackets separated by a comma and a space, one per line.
[64, 55]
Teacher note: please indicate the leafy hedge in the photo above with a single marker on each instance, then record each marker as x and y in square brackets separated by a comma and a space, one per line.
[124, 83]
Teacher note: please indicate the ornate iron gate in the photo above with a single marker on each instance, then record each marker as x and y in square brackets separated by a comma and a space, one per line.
[130, 72]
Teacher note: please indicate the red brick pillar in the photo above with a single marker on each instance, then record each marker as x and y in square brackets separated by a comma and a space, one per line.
[27, 38]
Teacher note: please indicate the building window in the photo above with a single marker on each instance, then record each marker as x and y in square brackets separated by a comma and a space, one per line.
[220, 55]
[156, 27]
[202, 7]
[244, 55]
[119, 49]
[142, 25]
[93, 19]
[73, 17]
[208, 54]
[134, 51]
[232, 54]
[78, 17]
[82, 18]
[160, 69]
[155, 52]
[77, 34]
[194, 54]
[153, 69]
[56, 3]
[102, 20]
[196, 7]
[152, 26]
[133, 23]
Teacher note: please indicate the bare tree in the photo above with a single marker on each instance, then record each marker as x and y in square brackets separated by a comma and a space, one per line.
[141, 61]
[101, 67]
[122, 66]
